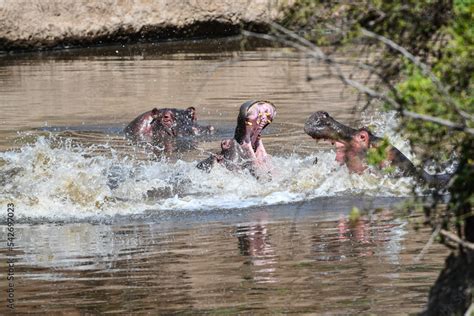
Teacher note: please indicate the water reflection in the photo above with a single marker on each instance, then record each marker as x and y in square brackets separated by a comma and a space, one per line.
[264, 260]
[385, 235]
[255, 244]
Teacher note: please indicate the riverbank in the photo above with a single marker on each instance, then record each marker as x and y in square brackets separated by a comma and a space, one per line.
[27, 25]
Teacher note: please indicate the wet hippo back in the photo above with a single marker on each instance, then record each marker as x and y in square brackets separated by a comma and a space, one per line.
[141, 128]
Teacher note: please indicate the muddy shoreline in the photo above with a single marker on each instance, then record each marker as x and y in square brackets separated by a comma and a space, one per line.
[28, 26]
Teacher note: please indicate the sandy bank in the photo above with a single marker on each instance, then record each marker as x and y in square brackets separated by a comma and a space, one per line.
[29, 24]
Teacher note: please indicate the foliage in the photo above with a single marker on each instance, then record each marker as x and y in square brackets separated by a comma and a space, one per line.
[354, 215]
[453, 68]
[377, 155]
[435, 33]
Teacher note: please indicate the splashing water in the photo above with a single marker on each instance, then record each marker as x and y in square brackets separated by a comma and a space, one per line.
[385, 123]
[58, 181]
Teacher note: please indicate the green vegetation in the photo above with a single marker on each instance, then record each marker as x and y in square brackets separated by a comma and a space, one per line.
[354, 215]
[424, 69]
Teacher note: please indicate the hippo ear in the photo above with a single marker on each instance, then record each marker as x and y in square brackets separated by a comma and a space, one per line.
[192, 112]
[154, 112]
[364, 137]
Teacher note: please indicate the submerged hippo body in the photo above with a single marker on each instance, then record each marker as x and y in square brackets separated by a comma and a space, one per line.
[160, 125]
[232, 156]
[246, 149]
[352, 146]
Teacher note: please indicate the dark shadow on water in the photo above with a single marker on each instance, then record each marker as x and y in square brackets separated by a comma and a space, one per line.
[172, 49]
[324, 208]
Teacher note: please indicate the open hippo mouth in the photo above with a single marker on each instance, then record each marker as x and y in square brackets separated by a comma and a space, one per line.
[321, 126]
[253, 117]
[246, 149]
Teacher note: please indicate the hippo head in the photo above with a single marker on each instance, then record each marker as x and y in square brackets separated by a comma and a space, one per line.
[350, 143]
[164, 122]
[253, 117]
[321, 126]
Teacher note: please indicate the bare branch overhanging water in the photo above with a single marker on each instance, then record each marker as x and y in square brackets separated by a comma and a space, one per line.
[314, 51]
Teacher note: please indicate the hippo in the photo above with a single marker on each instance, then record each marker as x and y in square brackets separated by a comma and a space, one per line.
[352, 146]
[159, 125]
[246, 149]
[232, 156]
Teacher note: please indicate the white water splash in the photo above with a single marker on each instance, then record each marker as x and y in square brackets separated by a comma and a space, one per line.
[385, 124]
[65, 182]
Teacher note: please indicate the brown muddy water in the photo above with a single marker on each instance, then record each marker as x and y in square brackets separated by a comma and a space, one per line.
[102, 226]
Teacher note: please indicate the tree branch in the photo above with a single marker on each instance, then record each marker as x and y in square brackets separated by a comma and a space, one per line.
[428, 244]
[314, 51]
[437, 120]
[425, 69]
[455, 238]
[333, 65]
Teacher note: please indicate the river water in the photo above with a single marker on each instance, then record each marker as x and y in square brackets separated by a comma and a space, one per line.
[104, 226]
